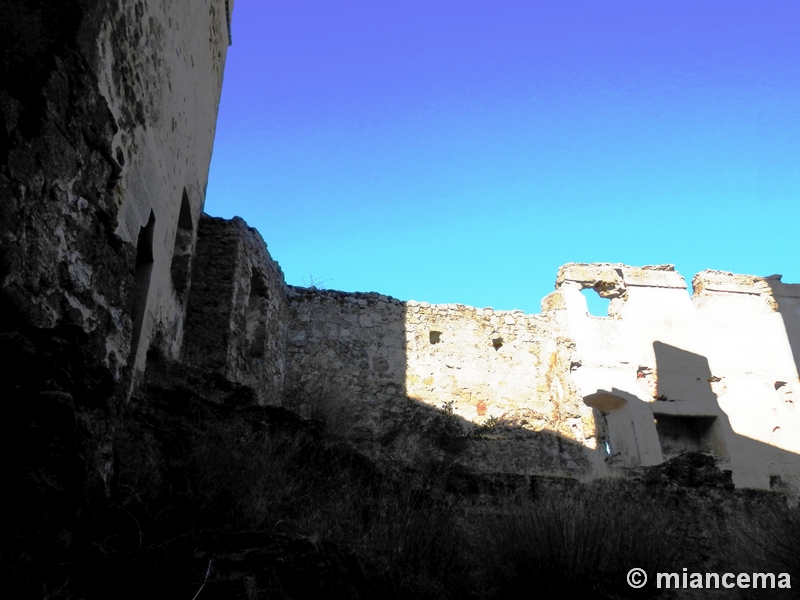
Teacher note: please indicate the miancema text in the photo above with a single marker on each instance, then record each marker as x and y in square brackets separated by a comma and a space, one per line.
[726, 580]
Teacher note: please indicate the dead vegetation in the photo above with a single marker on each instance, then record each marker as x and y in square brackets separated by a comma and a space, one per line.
[215, 497]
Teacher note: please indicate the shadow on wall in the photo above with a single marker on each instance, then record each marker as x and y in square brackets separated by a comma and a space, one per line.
[788, 307]
[686, 412]
[344, 358]
[236, 309]
[347, 365]
[687, 417]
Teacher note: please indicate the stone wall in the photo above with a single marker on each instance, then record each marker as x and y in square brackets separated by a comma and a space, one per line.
[346, 359]
[107, 117]
[564, 392]
[237, 320]
[160, 73]
[500, 365]
[496, 381]
[106, 261]
[109, 112]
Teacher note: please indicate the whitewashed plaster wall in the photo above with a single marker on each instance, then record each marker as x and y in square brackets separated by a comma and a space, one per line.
[161, 75]
[754, 331]
[722, 359]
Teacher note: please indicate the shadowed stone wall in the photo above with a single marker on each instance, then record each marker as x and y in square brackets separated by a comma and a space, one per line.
[237, 319]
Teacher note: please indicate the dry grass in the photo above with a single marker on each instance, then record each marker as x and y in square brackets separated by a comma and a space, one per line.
[188, 466]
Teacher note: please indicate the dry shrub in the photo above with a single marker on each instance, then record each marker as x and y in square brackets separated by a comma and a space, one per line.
[764, 537]
[327, 400]
[584, 540]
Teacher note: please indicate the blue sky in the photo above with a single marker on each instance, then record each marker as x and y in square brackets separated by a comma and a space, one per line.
[461, 151]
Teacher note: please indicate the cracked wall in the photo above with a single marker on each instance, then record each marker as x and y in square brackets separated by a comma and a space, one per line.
[711, 365]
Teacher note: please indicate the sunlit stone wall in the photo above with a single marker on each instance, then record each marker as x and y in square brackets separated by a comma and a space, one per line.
[500, 365]
[564, 391]
[500, 379]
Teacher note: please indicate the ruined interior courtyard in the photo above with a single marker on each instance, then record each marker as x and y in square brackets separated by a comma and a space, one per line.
[176, 412]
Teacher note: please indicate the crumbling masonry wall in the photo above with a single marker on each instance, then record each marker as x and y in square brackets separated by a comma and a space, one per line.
[237, 318]
[500, 376]
[161, 67]
[107, 118]
[562, 392]
[662, 373]
[715, 371]
[106, 263]
[109, 112]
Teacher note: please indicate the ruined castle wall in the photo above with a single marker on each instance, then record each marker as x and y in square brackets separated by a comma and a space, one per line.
[500, 377]
[346, 358]
[715, 372]
[561, 392]
[489, 364]
[160, 73]
[107, 110]
[752, 325]
[508, 373]
[237, 315]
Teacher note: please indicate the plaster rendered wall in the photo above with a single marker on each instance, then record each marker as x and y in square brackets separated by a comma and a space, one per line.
[160, 72]
[752, 325]
[714, 372]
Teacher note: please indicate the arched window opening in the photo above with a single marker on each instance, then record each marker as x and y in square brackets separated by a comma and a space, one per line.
[141, 286]
[182, 250]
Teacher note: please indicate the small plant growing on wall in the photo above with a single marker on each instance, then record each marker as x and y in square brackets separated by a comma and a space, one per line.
[315, 283]
[480, 431]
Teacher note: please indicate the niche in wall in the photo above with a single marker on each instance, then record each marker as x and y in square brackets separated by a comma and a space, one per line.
[256, 335]
[142, 276]
[182, 250]
[678, 434]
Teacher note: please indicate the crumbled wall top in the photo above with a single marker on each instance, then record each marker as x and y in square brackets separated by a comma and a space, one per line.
[607, 277]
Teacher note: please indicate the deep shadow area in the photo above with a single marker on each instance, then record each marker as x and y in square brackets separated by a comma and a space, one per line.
[213, 492]
[217, 495]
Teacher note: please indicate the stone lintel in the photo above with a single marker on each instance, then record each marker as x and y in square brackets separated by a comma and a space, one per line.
[607, 276]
